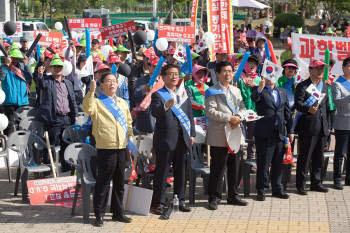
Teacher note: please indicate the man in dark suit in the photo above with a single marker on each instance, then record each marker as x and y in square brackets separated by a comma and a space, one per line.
[57, 108]
[312, 128]
[172, 137]
[270, 131]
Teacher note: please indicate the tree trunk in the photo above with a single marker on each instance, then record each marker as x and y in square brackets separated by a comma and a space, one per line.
[171, 12]
[43, 9]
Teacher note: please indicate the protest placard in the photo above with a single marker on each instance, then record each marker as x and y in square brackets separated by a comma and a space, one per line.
[117, 30]
[306, 46]
[79, 24]
[177, 33]
[52, 190]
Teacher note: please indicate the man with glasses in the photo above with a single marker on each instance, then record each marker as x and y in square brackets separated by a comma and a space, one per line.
[223, 105]
[173, 136]
[112, 129]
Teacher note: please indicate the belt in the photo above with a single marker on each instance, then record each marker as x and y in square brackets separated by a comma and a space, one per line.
[62, 114]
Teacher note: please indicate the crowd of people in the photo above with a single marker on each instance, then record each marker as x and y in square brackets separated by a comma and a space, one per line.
[210, 91]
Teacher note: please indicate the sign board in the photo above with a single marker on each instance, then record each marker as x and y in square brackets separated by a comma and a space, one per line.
[176, 33]
[117, 30]
[194, 13]
[79, 24]
[18, 33]
[220, 21]
[49, 37]
[52, 190]
[306, 46]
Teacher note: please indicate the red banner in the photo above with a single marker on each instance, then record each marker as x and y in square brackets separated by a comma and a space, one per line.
[79, 24]
[117, 30]
[220, 18]
[52, 190]
[50, 37]
[348, 31]
[177, 33]
[194, 13]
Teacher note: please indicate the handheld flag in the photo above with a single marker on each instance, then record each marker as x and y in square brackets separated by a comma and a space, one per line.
[179, 54]
[271, 71]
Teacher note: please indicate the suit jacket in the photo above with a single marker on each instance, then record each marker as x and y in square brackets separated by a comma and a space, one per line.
[219, 115]
[341, 97]
[266, 106]
[144, 119]
[308, 124]
[48, 100]
[168, 127]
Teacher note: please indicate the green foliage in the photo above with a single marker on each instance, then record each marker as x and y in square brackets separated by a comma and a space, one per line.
[284, 20]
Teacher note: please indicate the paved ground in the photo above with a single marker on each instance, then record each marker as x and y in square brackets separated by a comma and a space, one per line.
[316, 212]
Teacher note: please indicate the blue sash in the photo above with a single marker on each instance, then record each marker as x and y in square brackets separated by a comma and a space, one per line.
[345, 83]
[180, 115]
[233, 108]
[119, 116]
[212, 91]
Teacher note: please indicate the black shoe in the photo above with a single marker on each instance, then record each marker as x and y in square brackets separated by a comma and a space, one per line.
[319, 188]
[281, 195]
[302, 191]
[347, 182]
[184, 208]
[157, 210]
[121, 218]
[260, 197]
[338, 186]
[213, 205]
[25, 200]
[237, 201]
[98, 222]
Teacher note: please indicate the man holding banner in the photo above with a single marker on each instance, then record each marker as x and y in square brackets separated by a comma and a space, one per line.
[311, 100]
[112, 129]
[223, 105]
[173, 136]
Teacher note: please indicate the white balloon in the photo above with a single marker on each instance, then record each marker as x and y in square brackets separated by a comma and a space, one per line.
[67, 68]
[2, 96]
[209, 38]
[162, 44]
[150, 35]
[3, 122]
[58, 26]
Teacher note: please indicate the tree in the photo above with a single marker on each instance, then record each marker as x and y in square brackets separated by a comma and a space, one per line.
[336, 8]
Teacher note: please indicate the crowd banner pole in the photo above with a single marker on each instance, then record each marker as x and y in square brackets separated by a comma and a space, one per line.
[33, 46]
[46, 134]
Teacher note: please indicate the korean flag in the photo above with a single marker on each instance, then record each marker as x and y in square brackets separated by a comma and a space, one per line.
[180, 53]
[202, 44]
[271, 71]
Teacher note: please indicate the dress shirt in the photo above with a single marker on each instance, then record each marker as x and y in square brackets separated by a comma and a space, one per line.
[62, 104]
